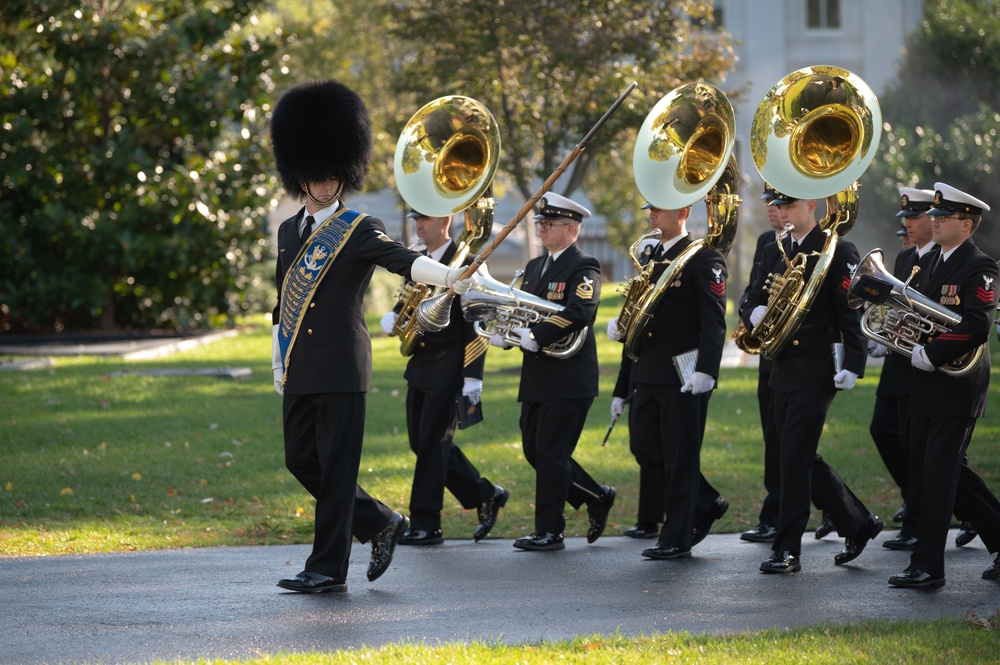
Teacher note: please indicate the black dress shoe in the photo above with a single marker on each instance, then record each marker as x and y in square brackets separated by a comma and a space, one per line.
[762, 533]
[912, 578]
[781, 561]
[306, 582]
[966, 534]
[598, 513]
[899, 515]
[901, 541]
[855, 545]
[541, 541]
[488, 511]
[825, 528]
[703, 524]
[384, 544]
[993, 572]
[662, 551]
[642, 530]
[421, 537]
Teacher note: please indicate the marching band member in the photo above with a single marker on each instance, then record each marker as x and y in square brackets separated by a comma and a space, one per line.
[321, 351]
[650, 511]
[890, 423]
[944, 408]
[444, 364]
[669, 412]
[556, 393]
[805, 382]
[766, 527]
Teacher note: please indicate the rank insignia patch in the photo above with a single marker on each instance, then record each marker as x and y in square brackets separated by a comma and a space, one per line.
[985, 293]
[717, 285]
[585, 291]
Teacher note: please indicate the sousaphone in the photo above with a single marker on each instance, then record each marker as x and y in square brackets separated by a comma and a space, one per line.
[445, 161]
[684, 151]
[814, 134]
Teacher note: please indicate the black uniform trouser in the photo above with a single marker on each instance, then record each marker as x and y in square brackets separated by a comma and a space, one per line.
[431, 419]
[650, 509]
[890, 431]
[769, 510]
[804, 476]
[948, 484]
[549, 434]
[323, 436]
[668, 429]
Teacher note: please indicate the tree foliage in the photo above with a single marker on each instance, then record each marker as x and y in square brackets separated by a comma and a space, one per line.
[942, 120]
[549, 70]
[134, 161]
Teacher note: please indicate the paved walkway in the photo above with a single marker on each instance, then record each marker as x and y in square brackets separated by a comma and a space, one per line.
[223, 602]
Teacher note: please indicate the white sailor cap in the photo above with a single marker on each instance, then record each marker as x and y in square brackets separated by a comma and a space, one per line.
[415, 214]
[948, 200]
[557, 206]
[913, 202]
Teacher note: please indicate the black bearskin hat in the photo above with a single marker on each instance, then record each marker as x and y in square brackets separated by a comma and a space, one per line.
[321, 130]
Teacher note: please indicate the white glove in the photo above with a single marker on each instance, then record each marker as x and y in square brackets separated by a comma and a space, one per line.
[472, 388]
[527, 343]
[388, 321]
[617, 406]
[698, 383]
[498, 340]
[460, 286]
[876, 350]
[757, 314]
[919, 359]
[613, 334]
[276, 361]
[426, 270]
[844, 379]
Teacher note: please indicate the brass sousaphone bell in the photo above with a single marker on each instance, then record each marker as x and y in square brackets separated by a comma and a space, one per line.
[445, 161]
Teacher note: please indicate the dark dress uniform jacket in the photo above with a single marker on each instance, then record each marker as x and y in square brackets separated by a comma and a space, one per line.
[574, 282]
[333, 351]
[691, 314]
[442, 359]
[763, 240]
[806, 362]
[895, 379]
[966, 285]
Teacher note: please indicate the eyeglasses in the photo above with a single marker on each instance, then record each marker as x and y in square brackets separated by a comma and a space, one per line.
[547, 224]
[948, 218]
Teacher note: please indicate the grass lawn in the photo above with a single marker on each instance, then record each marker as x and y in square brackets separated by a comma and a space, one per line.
[96, 456]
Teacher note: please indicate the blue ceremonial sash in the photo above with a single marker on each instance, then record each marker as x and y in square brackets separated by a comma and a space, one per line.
[300, 284]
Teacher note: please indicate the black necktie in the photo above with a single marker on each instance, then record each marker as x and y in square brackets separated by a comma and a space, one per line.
[795, 247]
[658, 252]
[545, 266]
[937, 264]
[310, 221]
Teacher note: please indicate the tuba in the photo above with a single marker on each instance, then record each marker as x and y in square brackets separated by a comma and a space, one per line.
[899, 317]
[684, 151]
[493, 306]
[445, 160]
[815, 132]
